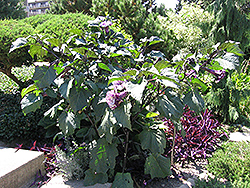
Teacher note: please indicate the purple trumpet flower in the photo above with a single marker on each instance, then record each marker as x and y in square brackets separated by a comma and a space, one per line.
[115, 96]
[106, 25]
[220, 74]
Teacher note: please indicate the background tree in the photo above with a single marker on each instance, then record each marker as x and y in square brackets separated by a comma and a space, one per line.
[230, 23]
[139, 18]
[11, 9]
[64, 6]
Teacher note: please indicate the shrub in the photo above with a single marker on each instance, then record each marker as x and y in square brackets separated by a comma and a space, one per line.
[10, 30]
[198, 138]
[191, 27]
[229, 98]
[39, 19]
[14, 125]
[59, 25]
[232, 162]
[110, 92]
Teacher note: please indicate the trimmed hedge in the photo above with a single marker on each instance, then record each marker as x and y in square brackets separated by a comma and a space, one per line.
[46, 24]
[59, 25]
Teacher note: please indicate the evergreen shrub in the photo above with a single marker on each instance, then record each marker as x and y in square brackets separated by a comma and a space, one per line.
[59, 25]
[15, 126]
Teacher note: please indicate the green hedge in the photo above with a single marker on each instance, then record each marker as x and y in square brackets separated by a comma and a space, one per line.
[10, 30]
[59, 25]
[14, 126]
[46, 24]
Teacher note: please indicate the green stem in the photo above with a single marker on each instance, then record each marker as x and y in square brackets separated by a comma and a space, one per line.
[92, 123]
[126, 150]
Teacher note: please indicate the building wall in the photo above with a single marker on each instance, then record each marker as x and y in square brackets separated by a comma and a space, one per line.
[35, 7]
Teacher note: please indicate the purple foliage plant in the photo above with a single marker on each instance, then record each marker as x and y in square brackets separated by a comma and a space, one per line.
[202, 136]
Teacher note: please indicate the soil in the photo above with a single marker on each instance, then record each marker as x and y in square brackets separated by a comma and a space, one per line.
[182, 173]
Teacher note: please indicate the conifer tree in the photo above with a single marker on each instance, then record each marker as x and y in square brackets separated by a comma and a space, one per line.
[139, 18]
[64, 6]
[230, 23]
[11, 9]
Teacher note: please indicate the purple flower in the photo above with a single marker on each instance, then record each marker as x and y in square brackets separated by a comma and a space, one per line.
[114, 99]
[220, 74]
[115, 96]
[118, 85]
[106, 25]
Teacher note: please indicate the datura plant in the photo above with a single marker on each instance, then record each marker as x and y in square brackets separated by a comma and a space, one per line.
[113, 95]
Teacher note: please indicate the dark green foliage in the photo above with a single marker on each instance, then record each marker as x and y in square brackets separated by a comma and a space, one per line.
[14, 125]
[227, 99]
[232, 162]
[230, 24]
[46, 24]
[10, 30]
[11, 9]
[73, 6]
[107, 86]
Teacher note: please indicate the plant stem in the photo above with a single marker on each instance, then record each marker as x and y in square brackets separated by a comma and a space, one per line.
[92, 123]
[126, 150]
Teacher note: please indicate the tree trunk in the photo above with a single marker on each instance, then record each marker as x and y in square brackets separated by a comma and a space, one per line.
[7, 71]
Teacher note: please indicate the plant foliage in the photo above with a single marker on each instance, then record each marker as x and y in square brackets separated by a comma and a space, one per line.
[198, 138]
[11, 9]
[232, 163]
[111, 93]
[10, 30]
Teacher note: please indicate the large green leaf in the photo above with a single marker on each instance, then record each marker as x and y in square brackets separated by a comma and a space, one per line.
[194, 100]
[170, 105]
[198, 82]
[122, 180]
[64, 89]
[153, 139]
[136, 90]
[55, 42]
[53, 110]
[78, 98]
[122, 115]
[20, 42]
[37, 49]
[31, 102]
[229, 61]
[107, 126]
[103, 156]
[44, 76]
[231, 47]
[157, 166]
[99, 107]
[31, 87]
[92, 178]
[47, 122]
[68, 122]
[162, 65]
[104, 67]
